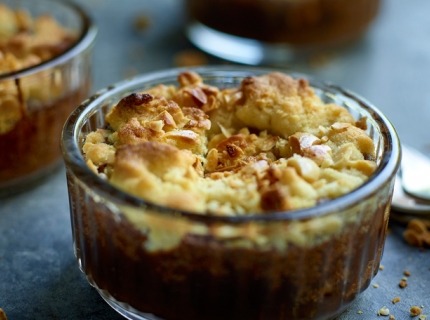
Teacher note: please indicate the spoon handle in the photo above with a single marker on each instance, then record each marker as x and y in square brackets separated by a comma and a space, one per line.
[415, 173]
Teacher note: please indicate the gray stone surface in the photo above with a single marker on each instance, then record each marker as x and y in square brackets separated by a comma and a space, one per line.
[39, 276]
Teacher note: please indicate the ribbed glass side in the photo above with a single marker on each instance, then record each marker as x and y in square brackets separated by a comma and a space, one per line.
[205, 277]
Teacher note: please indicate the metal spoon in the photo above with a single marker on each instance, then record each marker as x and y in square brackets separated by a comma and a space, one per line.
[411, 197]
[415, 173]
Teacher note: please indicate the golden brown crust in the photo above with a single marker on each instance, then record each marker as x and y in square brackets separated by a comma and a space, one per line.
[269, 145]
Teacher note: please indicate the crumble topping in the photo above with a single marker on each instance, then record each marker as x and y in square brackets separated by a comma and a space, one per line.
[269, 145]
[24, 42]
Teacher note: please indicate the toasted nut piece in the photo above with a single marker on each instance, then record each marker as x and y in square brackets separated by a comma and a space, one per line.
[365, 166]
[168, 121]
[199, 97]
[415, 311]
[156, 125]
[212, 160]
[301, 140]
[305, 167]
[184, 137]
[188, 78]
[340, 127]
[318, 153]
[403, 284]
[406, 273]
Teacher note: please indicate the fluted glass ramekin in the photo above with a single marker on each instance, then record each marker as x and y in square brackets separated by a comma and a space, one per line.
[37, 100]
[152, 262]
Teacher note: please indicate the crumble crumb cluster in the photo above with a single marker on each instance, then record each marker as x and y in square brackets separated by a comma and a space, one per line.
[415, 311]
[417, 233]
[269, 145]
[24, 42]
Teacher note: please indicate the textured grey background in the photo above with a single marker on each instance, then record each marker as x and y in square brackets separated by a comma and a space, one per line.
[39, 276]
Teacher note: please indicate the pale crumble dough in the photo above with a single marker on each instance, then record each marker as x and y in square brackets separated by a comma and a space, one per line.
[25, 42]
[269, 145]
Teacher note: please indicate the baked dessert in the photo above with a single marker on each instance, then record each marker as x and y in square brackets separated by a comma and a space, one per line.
[37, 93]
[300, 23]
[229, 194]
[269, 145]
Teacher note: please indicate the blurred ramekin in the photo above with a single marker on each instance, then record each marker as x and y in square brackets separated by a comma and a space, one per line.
[268, 32]
[146, 260]
[43, 95]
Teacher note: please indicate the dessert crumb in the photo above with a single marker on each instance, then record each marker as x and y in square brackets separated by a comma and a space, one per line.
[2, 314]
[415, 311]
[395, 300]
[384, 311]
[404, 279]
[381, 267]
[417, 233]
[375, 285]
[141, 22]
[392, 317]
[406, 273]
[360, 312]
[403, 284]
[422, 317]
[188, 58]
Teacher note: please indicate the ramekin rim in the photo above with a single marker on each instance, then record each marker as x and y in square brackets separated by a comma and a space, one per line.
[75, 161]
[86, 39]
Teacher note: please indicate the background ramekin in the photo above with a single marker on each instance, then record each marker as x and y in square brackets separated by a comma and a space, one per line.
[148, 260]
[31, 149]
[277, 31]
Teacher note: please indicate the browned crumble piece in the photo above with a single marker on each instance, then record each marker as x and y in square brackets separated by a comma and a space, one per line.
[403, 284]
[392, 317]
[417, 233]
[406, 273]
[395, 300]
[415, 311]
[2, 314]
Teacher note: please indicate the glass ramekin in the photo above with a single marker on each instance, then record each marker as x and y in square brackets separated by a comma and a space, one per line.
[152, 262]
[276, 31]
[48, 93]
